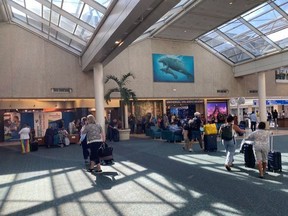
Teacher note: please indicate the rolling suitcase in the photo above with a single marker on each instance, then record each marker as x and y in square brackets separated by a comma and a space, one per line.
[274, 159]
[210, 143]
[249, 157]
[33, 146]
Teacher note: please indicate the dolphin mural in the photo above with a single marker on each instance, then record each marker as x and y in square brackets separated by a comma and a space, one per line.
[173, 65]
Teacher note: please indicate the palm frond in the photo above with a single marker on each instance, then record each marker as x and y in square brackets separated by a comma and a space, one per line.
[107, 96]
[114, 78]
[124, 79]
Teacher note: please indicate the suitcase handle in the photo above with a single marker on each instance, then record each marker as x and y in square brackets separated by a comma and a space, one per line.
[271, 142]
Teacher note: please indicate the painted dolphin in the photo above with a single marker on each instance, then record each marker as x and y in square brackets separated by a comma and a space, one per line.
[173, 64]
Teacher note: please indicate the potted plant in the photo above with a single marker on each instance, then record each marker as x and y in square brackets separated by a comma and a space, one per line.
[126, 95]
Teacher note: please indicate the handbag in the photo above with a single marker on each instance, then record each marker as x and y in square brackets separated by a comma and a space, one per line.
[105, 152]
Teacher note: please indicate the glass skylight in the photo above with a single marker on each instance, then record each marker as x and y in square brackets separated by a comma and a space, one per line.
[259, 32]
[68, 23]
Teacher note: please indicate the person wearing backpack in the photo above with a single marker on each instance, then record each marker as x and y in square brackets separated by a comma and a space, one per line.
[227, 133]
[194, 131]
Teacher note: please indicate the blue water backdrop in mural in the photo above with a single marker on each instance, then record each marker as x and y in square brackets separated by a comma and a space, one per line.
[173, 68]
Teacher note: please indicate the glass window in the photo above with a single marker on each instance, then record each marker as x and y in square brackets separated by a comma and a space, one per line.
[91, 16]
[34, 23]
[241, 57]
[73, 7]
[18, 14]
[20, 2]
[76, 45]
[57, 3]
[67, 24]
[105, 3]
[55, 18]
[63, 38]
[83, 33]
[34, 6]
[46, 13]
[223, 47]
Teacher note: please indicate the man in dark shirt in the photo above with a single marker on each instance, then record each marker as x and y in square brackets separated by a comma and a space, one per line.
[194, 129]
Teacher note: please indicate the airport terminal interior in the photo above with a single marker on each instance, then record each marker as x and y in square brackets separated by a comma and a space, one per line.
[59, 59]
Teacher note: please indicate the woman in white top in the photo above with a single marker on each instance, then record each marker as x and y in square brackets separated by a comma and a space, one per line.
[24, 138]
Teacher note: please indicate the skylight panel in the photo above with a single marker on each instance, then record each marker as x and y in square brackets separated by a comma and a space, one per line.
[57, 3]
[278, 36]
[63, 38]
[280, 2]
[55, 18]
[67, 24]
[20, 2]
[18, 14]
[46, 13]
[34, 23]
[34, 6]
[76, 46]
[105, 3]
[73, 7]
[265, 18]
[284, 7]
[83, 33]
[91, 16]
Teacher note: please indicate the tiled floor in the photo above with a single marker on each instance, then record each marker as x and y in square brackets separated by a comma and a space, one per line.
[149, 177]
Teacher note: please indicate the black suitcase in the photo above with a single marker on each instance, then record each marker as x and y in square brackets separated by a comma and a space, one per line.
[210, 143]
[249, 157]
[274, 159]
[105, 152]
[33, 146]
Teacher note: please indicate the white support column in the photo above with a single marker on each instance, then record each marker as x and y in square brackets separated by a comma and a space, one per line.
[126, 125]
[164, 107]
[99, 93]
[262, 96]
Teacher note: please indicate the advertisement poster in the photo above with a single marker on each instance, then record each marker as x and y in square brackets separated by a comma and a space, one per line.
[173, 68]
[12, 124]
[42, 120]
[216, 108]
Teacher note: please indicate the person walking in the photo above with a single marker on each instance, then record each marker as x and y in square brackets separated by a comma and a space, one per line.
[83, 142]
[194, 129]
[253, 119]
[95, 137]
[261, 147]
[227, 132]
[24, 139]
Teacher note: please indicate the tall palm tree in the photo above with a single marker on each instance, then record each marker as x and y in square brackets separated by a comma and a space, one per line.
[125, 93]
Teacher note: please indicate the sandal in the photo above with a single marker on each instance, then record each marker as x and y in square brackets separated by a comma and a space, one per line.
[98, 171]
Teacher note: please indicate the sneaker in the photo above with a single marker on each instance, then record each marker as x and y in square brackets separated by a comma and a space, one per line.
[228, 168]
[86, 162]
[190, 150]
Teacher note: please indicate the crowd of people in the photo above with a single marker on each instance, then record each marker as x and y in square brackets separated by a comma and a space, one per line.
[92, 136]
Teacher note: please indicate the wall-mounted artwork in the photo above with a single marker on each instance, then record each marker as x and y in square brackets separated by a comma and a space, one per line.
[281, 75]
[216, 108]
[173, 68]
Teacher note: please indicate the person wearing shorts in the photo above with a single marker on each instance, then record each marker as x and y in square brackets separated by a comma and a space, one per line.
[261, 147]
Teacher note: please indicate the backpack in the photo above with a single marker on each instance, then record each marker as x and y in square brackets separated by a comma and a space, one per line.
[226, 132]
[194, 124]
